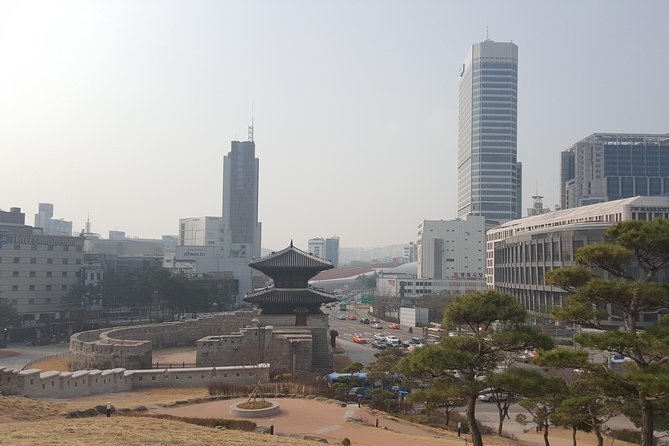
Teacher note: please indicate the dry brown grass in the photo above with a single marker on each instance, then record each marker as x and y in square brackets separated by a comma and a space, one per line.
[131, 431]
[18, 408]
[59, 363]
[129, 400]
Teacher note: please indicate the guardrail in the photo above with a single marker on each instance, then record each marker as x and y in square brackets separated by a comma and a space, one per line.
[44, 358]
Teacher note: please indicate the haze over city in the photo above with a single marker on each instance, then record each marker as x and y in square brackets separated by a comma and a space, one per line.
[124, 110]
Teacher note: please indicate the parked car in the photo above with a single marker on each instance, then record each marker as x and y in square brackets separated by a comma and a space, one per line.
[341, 317]
[352, 317]
[379, 344]
[376, 325]
[359, 339]
[421, 341]
[409, 343]
[364, 320]
[394, 326]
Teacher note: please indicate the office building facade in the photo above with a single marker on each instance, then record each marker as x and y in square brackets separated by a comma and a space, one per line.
[489, 174]
[520, 253]
[240, 201]
[332, 250]
[50, 226]
[201, 231]
[451, 249]
[36, 272]
[316, 247]
[610, 166]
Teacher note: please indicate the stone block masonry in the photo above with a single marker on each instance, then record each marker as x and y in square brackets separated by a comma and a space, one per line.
[38, 384]
[131, 347]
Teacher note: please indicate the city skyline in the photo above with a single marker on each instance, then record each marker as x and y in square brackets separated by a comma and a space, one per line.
[124, 111]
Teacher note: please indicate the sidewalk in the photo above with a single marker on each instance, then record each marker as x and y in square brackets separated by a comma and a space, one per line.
[18, 355]
[310, 417]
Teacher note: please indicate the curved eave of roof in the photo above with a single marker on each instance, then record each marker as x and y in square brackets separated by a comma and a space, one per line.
[301, 295]
[291, 257]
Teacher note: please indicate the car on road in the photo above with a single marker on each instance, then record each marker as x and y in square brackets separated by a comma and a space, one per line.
[379, 344]
[394, 326]
[359, 339]
[364, 320]
[393, 341]
[341, 317]
[352, 317]
[376, 325]
[490, 396]
[375, 321]
[421, 341]
[380, 337]
[410, 343]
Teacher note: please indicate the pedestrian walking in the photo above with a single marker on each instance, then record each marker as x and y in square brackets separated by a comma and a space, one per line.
[109, 409]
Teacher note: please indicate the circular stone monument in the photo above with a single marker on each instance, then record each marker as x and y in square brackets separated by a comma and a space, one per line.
[264, 412]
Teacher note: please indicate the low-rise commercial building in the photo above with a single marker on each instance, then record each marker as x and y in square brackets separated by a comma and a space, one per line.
[521, 252]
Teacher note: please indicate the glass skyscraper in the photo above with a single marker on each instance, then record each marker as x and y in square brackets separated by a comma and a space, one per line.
[610, 166]
[240, 201]
[489, 175]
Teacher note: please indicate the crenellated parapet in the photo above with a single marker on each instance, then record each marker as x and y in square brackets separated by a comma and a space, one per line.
[53, 384]
[131, 347]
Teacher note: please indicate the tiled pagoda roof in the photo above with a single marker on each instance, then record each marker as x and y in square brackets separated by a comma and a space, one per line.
[290, 257]
[289, 296]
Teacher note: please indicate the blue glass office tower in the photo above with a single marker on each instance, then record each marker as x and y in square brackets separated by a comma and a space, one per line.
[489, 175]
[611, 166]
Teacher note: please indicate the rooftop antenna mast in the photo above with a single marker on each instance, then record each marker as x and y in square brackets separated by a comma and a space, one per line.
[487, 34]
[251, 126]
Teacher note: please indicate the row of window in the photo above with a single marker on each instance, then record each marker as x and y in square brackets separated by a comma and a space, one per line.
[33, 247]
[33, 260]
[37, 288]
[46, 274]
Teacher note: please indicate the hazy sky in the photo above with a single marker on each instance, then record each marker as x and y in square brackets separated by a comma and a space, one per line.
[124, 109]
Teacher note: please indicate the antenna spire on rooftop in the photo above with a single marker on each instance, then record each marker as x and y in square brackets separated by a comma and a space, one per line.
[250, 138]
[487, 34]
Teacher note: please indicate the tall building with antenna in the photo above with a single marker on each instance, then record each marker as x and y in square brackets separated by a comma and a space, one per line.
[242, 231]
[489, 174]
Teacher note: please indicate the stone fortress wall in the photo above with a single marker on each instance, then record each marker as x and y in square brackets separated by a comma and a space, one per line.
[131, 347]
[283, 344]
[53, 384]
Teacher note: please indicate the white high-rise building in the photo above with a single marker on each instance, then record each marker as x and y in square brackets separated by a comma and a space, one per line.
[50, 226]
[489, 174]
[317, 247]
[451, 249]
[201, 231]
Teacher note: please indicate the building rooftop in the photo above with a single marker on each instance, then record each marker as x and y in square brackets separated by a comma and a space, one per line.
[290, 257]
[582, 214]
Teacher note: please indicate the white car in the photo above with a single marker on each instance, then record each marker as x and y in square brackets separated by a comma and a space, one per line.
[341, 317]
[393, 341]
[380, 337]
[489, 396]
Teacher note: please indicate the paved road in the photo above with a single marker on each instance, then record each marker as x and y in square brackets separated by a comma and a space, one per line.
[363, 353]
[26, 354]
